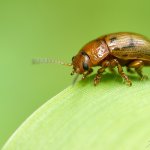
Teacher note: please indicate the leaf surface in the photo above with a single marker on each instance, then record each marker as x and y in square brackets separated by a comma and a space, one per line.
[110, 116]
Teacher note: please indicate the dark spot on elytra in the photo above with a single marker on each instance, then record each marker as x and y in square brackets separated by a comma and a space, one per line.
[125, 55]
[116, 48]
[130, 45]
[139, 56]
[113, 39]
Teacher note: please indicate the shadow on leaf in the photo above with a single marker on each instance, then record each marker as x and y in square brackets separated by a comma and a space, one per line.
[109, 78]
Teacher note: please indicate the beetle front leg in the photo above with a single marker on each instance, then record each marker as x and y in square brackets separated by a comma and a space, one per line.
[87, 73]
[120, 70]
[105, 64]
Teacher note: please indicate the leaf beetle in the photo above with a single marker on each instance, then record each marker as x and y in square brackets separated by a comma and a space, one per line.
[122, 49]
[113, 50]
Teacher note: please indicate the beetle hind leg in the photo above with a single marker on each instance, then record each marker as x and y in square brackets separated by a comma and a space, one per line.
[130, 70]
[138, 65]
[139, 72]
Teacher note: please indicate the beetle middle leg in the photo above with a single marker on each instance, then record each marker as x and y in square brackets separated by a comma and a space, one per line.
[112, 70]
[115, 62]
[104, 65]
[138, 65]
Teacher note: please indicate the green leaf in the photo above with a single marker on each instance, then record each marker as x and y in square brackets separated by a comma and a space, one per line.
[110, 116]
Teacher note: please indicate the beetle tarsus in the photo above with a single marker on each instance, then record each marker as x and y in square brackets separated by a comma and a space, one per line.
[129, 83]
[144, 77]
[120, 71]
[97, 80]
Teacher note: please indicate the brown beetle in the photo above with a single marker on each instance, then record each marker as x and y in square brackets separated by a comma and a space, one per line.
[113, 50]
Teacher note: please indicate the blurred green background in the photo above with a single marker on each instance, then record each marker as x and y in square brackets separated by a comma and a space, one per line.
[56, 29]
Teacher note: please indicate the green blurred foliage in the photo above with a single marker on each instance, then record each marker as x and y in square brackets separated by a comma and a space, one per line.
[56, 29]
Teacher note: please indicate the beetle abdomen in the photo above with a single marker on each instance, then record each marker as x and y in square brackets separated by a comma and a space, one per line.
[128, 46]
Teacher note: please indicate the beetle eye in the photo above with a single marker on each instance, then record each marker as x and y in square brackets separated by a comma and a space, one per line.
[85, 66]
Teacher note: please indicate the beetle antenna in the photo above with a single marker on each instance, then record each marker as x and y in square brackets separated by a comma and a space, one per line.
[49, 61]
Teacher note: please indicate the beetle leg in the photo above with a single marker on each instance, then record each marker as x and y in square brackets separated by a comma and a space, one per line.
[105, 64]
[87, 73]
[112, 70]
[115, 62]
[137, 65]
[130, 70]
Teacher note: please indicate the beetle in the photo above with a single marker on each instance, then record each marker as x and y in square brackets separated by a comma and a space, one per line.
[120, 49]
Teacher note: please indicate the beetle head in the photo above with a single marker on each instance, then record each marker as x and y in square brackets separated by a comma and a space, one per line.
[81, 63]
